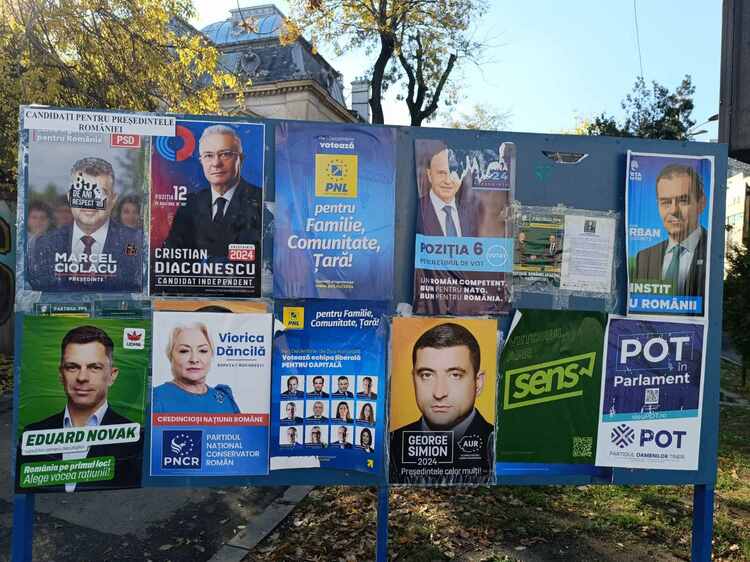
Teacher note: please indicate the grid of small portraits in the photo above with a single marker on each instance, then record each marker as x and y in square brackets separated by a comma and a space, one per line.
[334, 411]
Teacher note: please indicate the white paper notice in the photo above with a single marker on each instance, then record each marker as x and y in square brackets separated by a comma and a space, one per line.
[70, 121]
[588, 252]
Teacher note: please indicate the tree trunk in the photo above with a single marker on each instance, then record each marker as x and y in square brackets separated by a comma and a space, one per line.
[387, 46]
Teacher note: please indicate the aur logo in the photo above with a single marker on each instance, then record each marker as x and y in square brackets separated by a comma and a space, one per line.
[294, 317]
[470, 444]
[181, 449]
[177, 148]
[336, 175]
[546, 382]
[622, 436]
[134, 338]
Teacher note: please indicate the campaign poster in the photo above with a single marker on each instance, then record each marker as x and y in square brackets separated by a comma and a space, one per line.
[81, 403]
[463, 255]
[442, 396]
[652, 393]
[668, 217]
[335, 211]
[207, 209]
[550, 379]
[538, 251]
[195, 305]
[329, 385]
[211, 378]
[84, 200]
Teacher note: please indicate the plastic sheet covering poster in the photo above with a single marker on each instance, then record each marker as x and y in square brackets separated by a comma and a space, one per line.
[442, 396]
[207, 209]
[335, 203]
[328, 406]
[668, 217]
[81, 402]
[550, 379]
[84, 202]
[211, 376]
[463, 256]
[538, 251]
[652, 392]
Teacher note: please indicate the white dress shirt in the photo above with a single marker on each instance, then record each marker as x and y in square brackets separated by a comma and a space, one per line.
[687, 255]
[94, 421]
[99, 236]
[227, 196]
[438, 205]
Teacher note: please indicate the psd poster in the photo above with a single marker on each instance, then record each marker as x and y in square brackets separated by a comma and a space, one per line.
[335, 203]
[81, 403]
[85, 189]
[442, 416]
[550, 379]
[652, 392]
[211, 374]
[463, 256]
[329, 385]
[668, 217]
[538, 251]
[207, 209]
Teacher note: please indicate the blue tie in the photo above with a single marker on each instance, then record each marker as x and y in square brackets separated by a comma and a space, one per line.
[450, 226]
[673, 271]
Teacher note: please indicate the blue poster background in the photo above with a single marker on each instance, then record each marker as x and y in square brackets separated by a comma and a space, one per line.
[306, 162]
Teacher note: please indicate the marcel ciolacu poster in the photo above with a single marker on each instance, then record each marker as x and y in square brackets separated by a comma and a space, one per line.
[550, 378]
[463, 256]
[328, 396]
[335, 199]
[207, 209]
[81, 403]
[211, 376]
[652, 394]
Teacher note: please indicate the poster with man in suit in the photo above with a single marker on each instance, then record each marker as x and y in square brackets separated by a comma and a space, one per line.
[668, 216]
[207, 209]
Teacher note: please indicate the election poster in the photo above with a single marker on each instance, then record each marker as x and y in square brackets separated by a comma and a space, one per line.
[463, 256]
[211, 377]
[84, 192]
[195, 305]
[550, 379]
[538, 251]
[652, 394]
[329, 385]
[207, 209]
[81, 403]
[335, 203]
[668, 217]
[442, 401]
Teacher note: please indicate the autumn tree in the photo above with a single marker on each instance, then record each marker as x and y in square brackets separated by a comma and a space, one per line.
[737, 303]
[419, 42]
[120, 54]
[480, 117]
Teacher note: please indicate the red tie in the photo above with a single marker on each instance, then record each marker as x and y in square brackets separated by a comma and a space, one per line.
[88, 243]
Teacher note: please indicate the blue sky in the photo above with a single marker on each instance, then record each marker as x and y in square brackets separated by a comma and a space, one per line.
[552, 60]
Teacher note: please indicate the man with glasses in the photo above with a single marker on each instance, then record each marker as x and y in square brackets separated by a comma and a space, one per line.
[229, 210]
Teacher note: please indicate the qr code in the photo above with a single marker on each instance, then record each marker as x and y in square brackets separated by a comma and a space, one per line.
[652, 396]
[583, 446]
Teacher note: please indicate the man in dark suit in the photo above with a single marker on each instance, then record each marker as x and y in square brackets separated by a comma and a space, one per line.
[92, 253]
[227, 212]
[291, 414]
[342, 390]
[680, 260]
[87, 372]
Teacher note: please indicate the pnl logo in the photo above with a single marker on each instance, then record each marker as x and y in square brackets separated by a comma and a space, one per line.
[622, 436]
[294, 317]
[177, 148]
[134, 338]
[181, 449]
[336, 175]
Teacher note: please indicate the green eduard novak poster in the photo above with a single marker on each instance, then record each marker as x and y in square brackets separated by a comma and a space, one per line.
[550, 379]
[82, 390]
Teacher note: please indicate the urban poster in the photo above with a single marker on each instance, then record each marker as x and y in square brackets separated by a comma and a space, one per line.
[652, 391]
[668, 217]
[211, 388]
[550, 379]
[442, 396]
[207, 209]
[81, 390]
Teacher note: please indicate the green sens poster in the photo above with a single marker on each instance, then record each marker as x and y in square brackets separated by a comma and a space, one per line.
[550, 376]
[81, 399]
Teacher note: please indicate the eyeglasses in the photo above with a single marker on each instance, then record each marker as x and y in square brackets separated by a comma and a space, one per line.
[223, 156]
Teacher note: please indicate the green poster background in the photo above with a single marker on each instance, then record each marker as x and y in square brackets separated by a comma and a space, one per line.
[41, 393]
[540, 419]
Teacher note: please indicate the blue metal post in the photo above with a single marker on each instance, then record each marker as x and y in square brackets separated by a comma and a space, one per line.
[382, 538]
[23, 527]
[703, 523]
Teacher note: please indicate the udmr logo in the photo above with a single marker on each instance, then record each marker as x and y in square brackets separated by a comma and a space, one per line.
[134, 338]
[294, 317]
[622, 436]
[335, 175]
[546, 382]
[181, 449]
